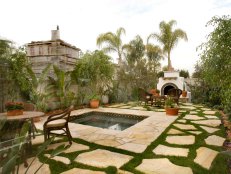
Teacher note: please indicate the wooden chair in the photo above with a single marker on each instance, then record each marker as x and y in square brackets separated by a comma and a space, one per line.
[58, 121]
[144, 96]
[175, 94]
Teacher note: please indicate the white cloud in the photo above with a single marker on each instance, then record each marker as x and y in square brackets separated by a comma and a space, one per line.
[81, 22]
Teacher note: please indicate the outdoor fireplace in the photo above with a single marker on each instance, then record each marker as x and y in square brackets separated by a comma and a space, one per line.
[171, 80]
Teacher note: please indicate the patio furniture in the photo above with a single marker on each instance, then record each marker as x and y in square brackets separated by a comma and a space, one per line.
[159, 100]
[175, 94]
[144, 96]
[58, 121]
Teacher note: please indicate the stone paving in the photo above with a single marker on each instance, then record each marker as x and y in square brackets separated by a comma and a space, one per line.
[138, 137]
[103, 158]
[162, 166]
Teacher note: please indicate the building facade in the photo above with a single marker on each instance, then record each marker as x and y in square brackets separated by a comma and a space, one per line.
[55, 51]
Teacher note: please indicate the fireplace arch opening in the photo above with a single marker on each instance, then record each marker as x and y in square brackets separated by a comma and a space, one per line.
[166, 87]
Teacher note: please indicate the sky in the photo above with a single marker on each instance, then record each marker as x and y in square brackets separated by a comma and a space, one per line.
[81, 21]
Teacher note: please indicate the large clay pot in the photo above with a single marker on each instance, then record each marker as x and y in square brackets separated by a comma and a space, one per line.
[171, 111]
[94, 103]
[184, 93]
[14, 112]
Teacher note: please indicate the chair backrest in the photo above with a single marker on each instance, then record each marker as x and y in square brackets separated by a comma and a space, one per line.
[174, 92]
[65, 114]
[142, 94]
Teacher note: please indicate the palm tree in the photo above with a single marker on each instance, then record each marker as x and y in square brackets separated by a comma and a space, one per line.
[168, 38]
[113, 42]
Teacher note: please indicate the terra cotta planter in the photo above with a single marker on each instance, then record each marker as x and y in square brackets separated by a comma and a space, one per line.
[171, 111]
[14, 112]
[94, 103]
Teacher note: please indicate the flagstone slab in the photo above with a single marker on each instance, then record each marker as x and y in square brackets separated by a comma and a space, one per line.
[123, 172]
[170, 151]
[103, 158]
[205, 109]
[213, 123]
[59, 158]
[162, 166]
[75, 147]
[160, 110]
[209, 112]
[209, 129]
[187, 107]
[40, 139]
[82, 171]
[138, 148]
[35, 165]
[108, 142]
[211, 117]
[138, 108]
[174, 131]
[215, 140]
[125, 107]
[205, 157]
[185, 126]
[195, 132]
[181, 140]
[193, 117]
[181, 121]
[193, 112]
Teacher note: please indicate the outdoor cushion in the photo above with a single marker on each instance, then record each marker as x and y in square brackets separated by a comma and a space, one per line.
[55, 123]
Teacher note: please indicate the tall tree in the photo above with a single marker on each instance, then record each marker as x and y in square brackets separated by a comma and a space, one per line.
[113, 42]
[168, 38]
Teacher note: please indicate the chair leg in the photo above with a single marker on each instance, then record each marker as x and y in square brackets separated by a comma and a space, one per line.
[69, 135]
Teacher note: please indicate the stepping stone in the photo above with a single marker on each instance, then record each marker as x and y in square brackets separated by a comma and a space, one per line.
[125, 107]
[40, 139]
[162, 166]
[174, 131]
[73, 148]
[138, 148]
[209, 129]
[81, 171]
[187, 107]
[193, 117]
[181, 140]
[181, 121]
[118, 105]
[160, 110]
[170, 151]
[205, 109]
[108, 142]
[195, 132]
[215, 140]
[209, 112]
[185, 126]
[35, 165]
[193, 112]
[59, 158]
[213, 123]
[123, 172]
[103, 158]
[211, 117]
[205, 157]
[138, 108]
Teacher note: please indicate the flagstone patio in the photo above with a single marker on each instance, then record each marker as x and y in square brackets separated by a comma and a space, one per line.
[137, 138]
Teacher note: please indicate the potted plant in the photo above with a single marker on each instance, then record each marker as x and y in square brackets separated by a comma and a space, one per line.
[184, 93]
[94, 100]
[14, 108]
[171, 107]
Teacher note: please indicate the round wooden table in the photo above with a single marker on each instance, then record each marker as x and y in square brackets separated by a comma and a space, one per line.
[27, 115]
